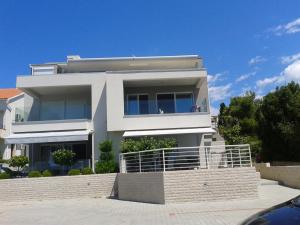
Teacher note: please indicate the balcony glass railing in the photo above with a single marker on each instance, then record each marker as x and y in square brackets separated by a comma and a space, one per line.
[28, 114]
[144, 107]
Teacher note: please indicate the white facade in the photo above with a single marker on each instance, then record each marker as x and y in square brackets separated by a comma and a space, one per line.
[109, 96]
[7, 117]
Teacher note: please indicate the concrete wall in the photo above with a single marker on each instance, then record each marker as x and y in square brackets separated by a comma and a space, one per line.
[24, 189]
[189, 186]
[141, 187]
[287, 175]
[52, 125]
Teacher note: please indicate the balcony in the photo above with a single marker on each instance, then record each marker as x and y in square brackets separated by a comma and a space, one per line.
[57, 109]
[164, 104]
[24, 123]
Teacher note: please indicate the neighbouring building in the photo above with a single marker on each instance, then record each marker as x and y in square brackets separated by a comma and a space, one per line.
[81, 102]
[10, 100]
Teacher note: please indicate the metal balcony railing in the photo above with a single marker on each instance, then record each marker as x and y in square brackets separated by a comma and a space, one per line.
[186, 158]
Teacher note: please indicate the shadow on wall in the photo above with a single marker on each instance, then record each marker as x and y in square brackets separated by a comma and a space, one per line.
[99, 117]
[114, 194]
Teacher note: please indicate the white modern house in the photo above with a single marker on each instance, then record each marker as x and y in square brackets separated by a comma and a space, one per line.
[83, 101]
[10, 100]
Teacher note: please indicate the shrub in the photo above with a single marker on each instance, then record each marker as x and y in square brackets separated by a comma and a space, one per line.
[106, 151]
[74, 172]
[47, 173]
[86, 171]
[4, 161]
[147, 143]
[63, 157]
[18, 161]
[130, 145]
[106, 163]
[106, 167]
[4, 175]
[34, 173]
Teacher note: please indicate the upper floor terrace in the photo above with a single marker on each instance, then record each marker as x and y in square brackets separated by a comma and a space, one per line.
[76, 64]
[157, 100]
[61, 108]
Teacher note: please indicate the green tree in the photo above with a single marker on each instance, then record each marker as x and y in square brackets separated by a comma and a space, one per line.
[238, 122]
[106, 151]
[63, 158]
[106, 163]
[19, 161]
[279, 124]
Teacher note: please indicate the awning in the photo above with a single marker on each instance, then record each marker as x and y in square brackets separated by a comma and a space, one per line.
[166, 132]
[45, 137]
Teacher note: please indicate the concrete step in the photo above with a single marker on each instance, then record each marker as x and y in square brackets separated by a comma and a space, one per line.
[268, 182]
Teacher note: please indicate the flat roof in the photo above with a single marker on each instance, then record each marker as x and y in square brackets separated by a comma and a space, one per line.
[75, 63]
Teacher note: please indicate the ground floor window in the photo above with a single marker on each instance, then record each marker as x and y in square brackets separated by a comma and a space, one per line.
[80, 149]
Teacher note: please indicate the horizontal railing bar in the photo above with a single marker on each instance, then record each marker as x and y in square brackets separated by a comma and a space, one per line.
[187, 158]
[166, 149]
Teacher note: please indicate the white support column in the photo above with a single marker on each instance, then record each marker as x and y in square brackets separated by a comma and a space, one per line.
[140, 163]
[231, 158]
[240, 157]
[250, 158]
[207, 158]
[164, 163]
[122, 164]
[93, 152]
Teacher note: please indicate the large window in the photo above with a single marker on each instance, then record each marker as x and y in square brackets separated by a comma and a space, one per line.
[137, 104]
[80, 149]
[174, 102]
[65, 109]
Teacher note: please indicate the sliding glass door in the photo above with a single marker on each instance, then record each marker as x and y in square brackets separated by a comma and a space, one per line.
[165, 103]
[174, 102]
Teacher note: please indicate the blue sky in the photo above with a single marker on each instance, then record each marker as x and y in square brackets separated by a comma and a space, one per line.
[246, 45]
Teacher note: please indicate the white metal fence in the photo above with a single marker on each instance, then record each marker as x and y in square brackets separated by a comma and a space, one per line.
[186, 158]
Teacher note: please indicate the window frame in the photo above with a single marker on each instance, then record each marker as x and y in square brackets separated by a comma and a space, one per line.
[174, 96]
[138, 102]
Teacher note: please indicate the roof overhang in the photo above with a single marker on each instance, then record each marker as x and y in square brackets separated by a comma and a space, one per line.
[47, 137]
[168, 132]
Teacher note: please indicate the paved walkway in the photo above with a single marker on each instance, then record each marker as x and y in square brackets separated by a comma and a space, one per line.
[115, 212]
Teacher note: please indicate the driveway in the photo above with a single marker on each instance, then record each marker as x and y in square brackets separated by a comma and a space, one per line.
[108, 211]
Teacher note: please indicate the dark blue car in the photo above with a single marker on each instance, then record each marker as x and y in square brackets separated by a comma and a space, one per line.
[287, 213]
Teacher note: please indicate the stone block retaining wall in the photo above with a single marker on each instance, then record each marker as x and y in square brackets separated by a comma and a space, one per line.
[160, 187]
[22, 189]
[189, 185]
[211, 185]
[287, 175]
